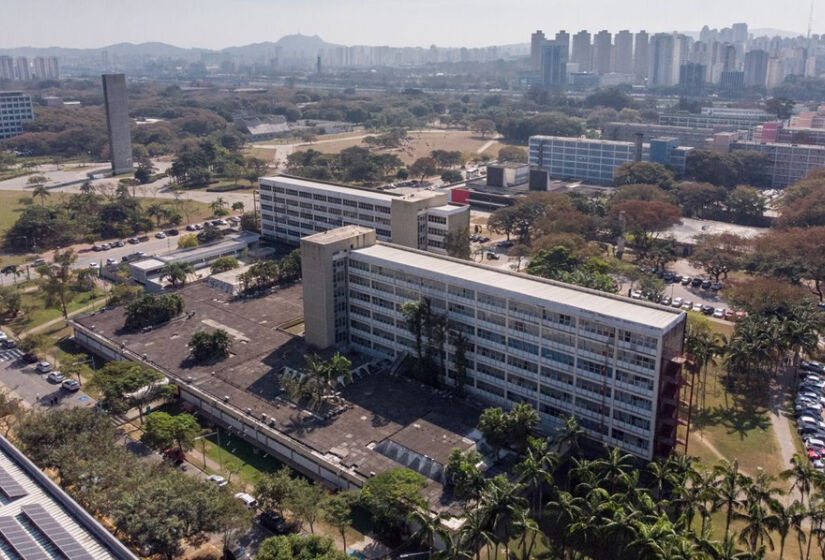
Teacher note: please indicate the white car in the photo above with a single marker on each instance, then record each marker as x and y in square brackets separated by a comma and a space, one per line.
[636, 294]
[814, 443]
[55, 377]
[160, 235]
[251, 503]
[677, 302]
[697, 307]
[94, 265]
[719, 313]
[44, 367]
[3, 336]
[111, 261]
[217, 479]
[71, 385]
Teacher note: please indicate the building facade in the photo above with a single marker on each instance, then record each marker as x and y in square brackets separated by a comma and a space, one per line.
[15, 109]
[117, 122]
[567, 351]
[788, 162]
[293, 207]
[553, 64]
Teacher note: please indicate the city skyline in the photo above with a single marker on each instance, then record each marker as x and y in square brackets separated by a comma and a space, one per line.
[220, 24]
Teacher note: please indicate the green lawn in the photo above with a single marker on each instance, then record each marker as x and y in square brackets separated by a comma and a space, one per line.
[36, 313]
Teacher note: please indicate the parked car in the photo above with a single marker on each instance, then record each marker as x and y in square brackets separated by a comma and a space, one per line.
[71, 385]
[815, 443]
[677, 302]
[274, 522]
[96, 248]
[175, 455]
[696, 282]
[9, 343]
[217, 479]
[94, 265]
[160, 235]
[55, 377]
[685, 280]
[667, 277]
[707, 309]
[172, 232]
[719, 313]
[235, 552]
[504, 244]
[492, 256]
[716, 286]
[235, 220]
[706, 285]
[111, 261]
[730, 314]
[249, 501]
[119, 244]
[812, 366]
[636, 294]
[191, 227]
[38, 262]
[44, 367]
[133, 241]
[105, 246]
[666, 300]
[697, 307]
[687, 306]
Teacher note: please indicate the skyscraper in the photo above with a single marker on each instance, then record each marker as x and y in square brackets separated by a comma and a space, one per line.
[623, 52]
[40, 71]
[117, 121]
[740, 32]
[660, 73]
[641, 59]
[602, 52]
[756, 68]
[582, 51]
[536, 41]
[553, 64]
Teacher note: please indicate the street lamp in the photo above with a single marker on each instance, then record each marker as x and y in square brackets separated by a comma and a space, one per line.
[203, 447]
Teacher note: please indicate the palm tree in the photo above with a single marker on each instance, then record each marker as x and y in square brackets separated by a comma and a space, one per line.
[428, 527]
[567, 509]
[757, 527]
[714, 550]
[156, 211]
[535, 470]
[803, 475]
[569, 435]
[238, 206]
[801, 334]
[324, 374]
[651, 539]
[176, 272]
[42, 192]
[474, 530]
[612, 467]
[217, 205]
[784, 519]
[729, 486]
[501, 501]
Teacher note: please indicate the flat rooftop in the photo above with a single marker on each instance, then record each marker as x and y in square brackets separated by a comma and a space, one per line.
[483, 277]
[383, 408]
[287, 180]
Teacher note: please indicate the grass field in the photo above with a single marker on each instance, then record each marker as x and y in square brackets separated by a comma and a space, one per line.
[419, 144]
[36, 313]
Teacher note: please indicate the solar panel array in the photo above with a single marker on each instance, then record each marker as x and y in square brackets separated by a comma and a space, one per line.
[10, 487]
[19, 539]
[54, 531]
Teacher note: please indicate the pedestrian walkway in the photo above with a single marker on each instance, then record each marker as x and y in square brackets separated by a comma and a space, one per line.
[7, 355]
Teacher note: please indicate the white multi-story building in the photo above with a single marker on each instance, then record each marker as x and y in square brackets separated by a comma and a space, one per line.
[293, 207]
[609, 361]
[581, 158]
[15, 109]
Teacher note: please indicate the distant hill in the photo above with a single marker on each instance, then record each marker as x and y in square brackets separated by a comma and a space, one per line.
[774, 32]
[291, 46]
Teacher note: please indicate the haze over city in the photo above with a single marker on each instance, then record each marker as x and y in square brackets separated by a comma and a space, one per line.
[219, 23]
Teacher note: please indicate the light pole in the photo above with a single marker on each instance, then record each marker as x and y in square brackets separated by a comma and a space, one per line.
[217, 432]
[86, 361]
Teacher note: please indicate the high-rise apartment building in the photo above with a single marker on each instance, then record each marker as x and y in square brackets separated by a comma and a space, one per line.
[6, 68]
[53, 68]
[692, 79]
[293, 207]
[756, 68]
[740, 32]
[623, 52]
[553, 64]
[602, 52]
[39, 64]
[117, 122]
[22, 69]
[660, 73]
[582, 53]
[15, 109]
[641, 58]
[536, 41]
[611, 362]
[563, 39]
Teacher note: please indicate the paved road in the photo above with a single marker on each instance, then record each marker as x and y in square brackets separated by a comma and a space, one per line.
[33, 388]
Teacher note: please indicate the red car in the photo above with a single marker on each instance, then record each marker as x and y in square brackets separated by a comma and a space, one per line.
[174, 454]
[814, 454]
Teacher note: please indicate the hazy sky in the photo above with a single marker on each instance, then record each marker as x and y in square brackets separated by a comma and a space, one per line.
[221, 23]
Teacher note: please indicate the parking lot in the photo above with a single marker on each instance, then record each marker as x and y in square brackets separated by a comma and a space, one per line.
[34, 388]
[808, 411]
